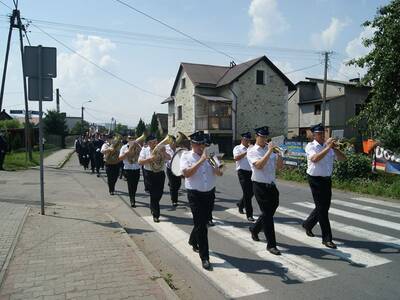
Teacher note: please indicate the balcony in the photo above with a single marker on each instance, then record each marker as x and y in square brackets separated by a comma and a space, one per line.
[213, 123]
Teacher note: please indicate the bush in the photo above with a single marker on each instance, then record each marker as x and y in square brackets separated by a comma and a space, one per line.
[355, 166]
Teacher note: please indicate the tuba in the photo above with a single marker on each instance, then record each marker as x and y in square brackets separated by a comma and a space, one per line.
[112, 157]
[134, 149]
[182, 141]
[157, 164]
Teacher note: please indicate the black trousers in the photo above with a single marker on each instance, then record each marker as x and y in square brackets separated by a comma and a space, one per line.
[156, 187]
[112, 176]
[92, 162]
[174, 183]
[201, 204]
[321, 189]
[247, 189]
[145, 180]
[267, 196]
[132, 177]
[98, 158]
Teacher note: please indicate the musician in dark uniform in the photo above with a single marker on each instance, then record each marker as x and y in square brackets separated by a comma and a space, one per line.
[263, 162]
[98, 157]
[84, 152]
[131, 168]
[155, 178]
[110, 151]
[92, 153]
[200, 178]
[320, 157]
[244, 174]
[3, 150]
[174, 182]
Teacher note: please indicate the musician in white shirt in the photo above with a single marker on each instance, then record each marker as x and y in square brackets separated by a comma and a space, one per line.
[244, 174]
[200, 179]
[174, 182]
[131, 168]
[111, 159]
[320, 158]
[263, 162]
[154, 179]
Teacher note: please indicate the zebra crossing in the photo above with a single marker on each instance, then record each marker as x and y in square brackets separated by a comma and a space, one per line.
[234, 282]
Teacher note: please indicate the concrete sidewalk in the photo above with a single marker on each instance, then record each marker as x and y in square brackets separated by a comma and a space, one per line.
[77, 250]
[58, 158]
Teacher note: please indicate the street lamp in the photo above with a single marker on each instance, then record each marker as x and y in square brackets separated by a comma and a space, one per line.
[82, 109]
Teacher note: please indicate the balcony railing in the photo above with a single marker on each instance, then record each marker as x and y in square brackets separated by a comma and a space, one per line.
[213, 123]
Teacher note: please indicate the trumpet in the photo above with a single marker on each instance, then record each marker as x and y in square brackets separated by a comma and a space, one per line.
[214, 161]
[279, 150]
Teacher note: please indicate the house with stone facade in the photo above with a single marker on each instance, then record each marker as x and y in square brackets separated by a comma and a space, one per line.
[225, 101]
[344, 100]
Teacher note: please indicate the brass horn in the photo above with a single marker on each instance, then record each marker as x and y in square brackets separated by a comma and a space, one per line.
[157, 164]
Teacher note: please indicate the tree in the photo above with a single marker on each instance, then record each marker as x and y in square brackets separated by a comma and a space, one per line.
[121, 129]
[382, 110]
[54, 123]
[140, 128]
[154, 124]
[8, 124]
[77, 128]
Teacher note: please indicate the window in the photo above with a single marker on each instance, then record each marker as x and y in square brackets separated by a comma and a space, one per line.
[173, 120]
[180, 112]
[183, 83]
[358, 109]
[260, 77]
[317, 109]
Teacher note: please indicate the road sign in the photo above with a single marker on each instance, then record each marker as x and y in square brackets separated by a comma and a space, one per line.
[48, 65]
[33, 89]
[17, 112]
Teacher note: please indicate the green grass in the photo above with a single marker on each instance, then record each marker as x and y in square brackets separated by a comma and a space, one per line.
[383, 185]
[17, 160]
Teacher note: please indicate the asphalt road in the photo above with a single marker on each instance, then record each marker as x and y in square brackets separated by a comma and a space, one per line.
[365, 265]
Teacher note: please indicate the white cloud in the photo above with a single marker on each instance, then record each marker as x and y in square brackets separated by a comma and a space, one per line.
[327, 37]
[355, 49]
[78, 73]
[267, 20]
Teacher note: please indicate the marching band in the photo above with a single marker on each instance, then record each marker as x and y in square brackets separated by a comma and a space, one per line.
[190, 158]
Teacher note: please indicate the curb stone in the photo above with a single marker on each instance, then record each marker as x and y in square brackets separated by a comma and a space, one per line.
[10, 254]
[149, 268]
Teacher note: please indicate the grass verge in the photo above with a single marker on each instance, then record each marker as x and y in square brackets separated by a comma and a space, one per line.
[17, 160]
[382, 185]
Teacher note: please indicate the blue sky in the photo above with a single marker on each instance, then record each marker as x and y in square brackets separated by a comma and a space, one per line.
[149, 56]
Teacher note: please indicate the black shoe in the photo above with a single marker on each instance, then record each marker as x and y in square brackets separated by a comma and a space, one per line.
[195, 248]
[175, 204]
[206, 264]
[98, 175]
[331, 245]
[112, 193]
[254, 235]
[250, 219]
[210, 223]
[274, 251]
[156, 220]
[240, 209]
[133, 204]
[308, 231]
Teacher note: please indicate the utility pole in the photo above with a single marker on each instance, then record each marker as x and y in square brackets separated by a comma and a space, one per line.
[58, 99]
[82, 109]
[326, 54]
[15, 22]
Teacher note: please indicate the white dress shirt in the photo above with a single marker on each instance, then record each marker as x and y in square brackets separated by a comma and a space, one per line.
[145, 153]
[324, 167]
[203, 179]
[127, 164]
[242, 164]
[105, 147]
[267, 173]
[171, 152]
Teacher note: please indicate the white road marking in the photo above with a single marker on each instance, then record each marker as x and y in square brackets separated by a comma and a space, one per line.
[297, 266]
[372, 209]
[225, 277]
[354, 256]
[348, 229]
[375, 201]
[354, 216]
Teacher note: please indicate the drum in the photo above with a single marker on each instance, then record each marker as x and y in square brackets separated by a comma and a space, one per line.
[176, 162]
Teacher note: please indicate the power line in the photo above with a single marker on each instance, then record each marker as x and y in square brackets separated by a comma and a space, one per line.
[6, 5]
[97, 66]
[301, 69]
[174, 29]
